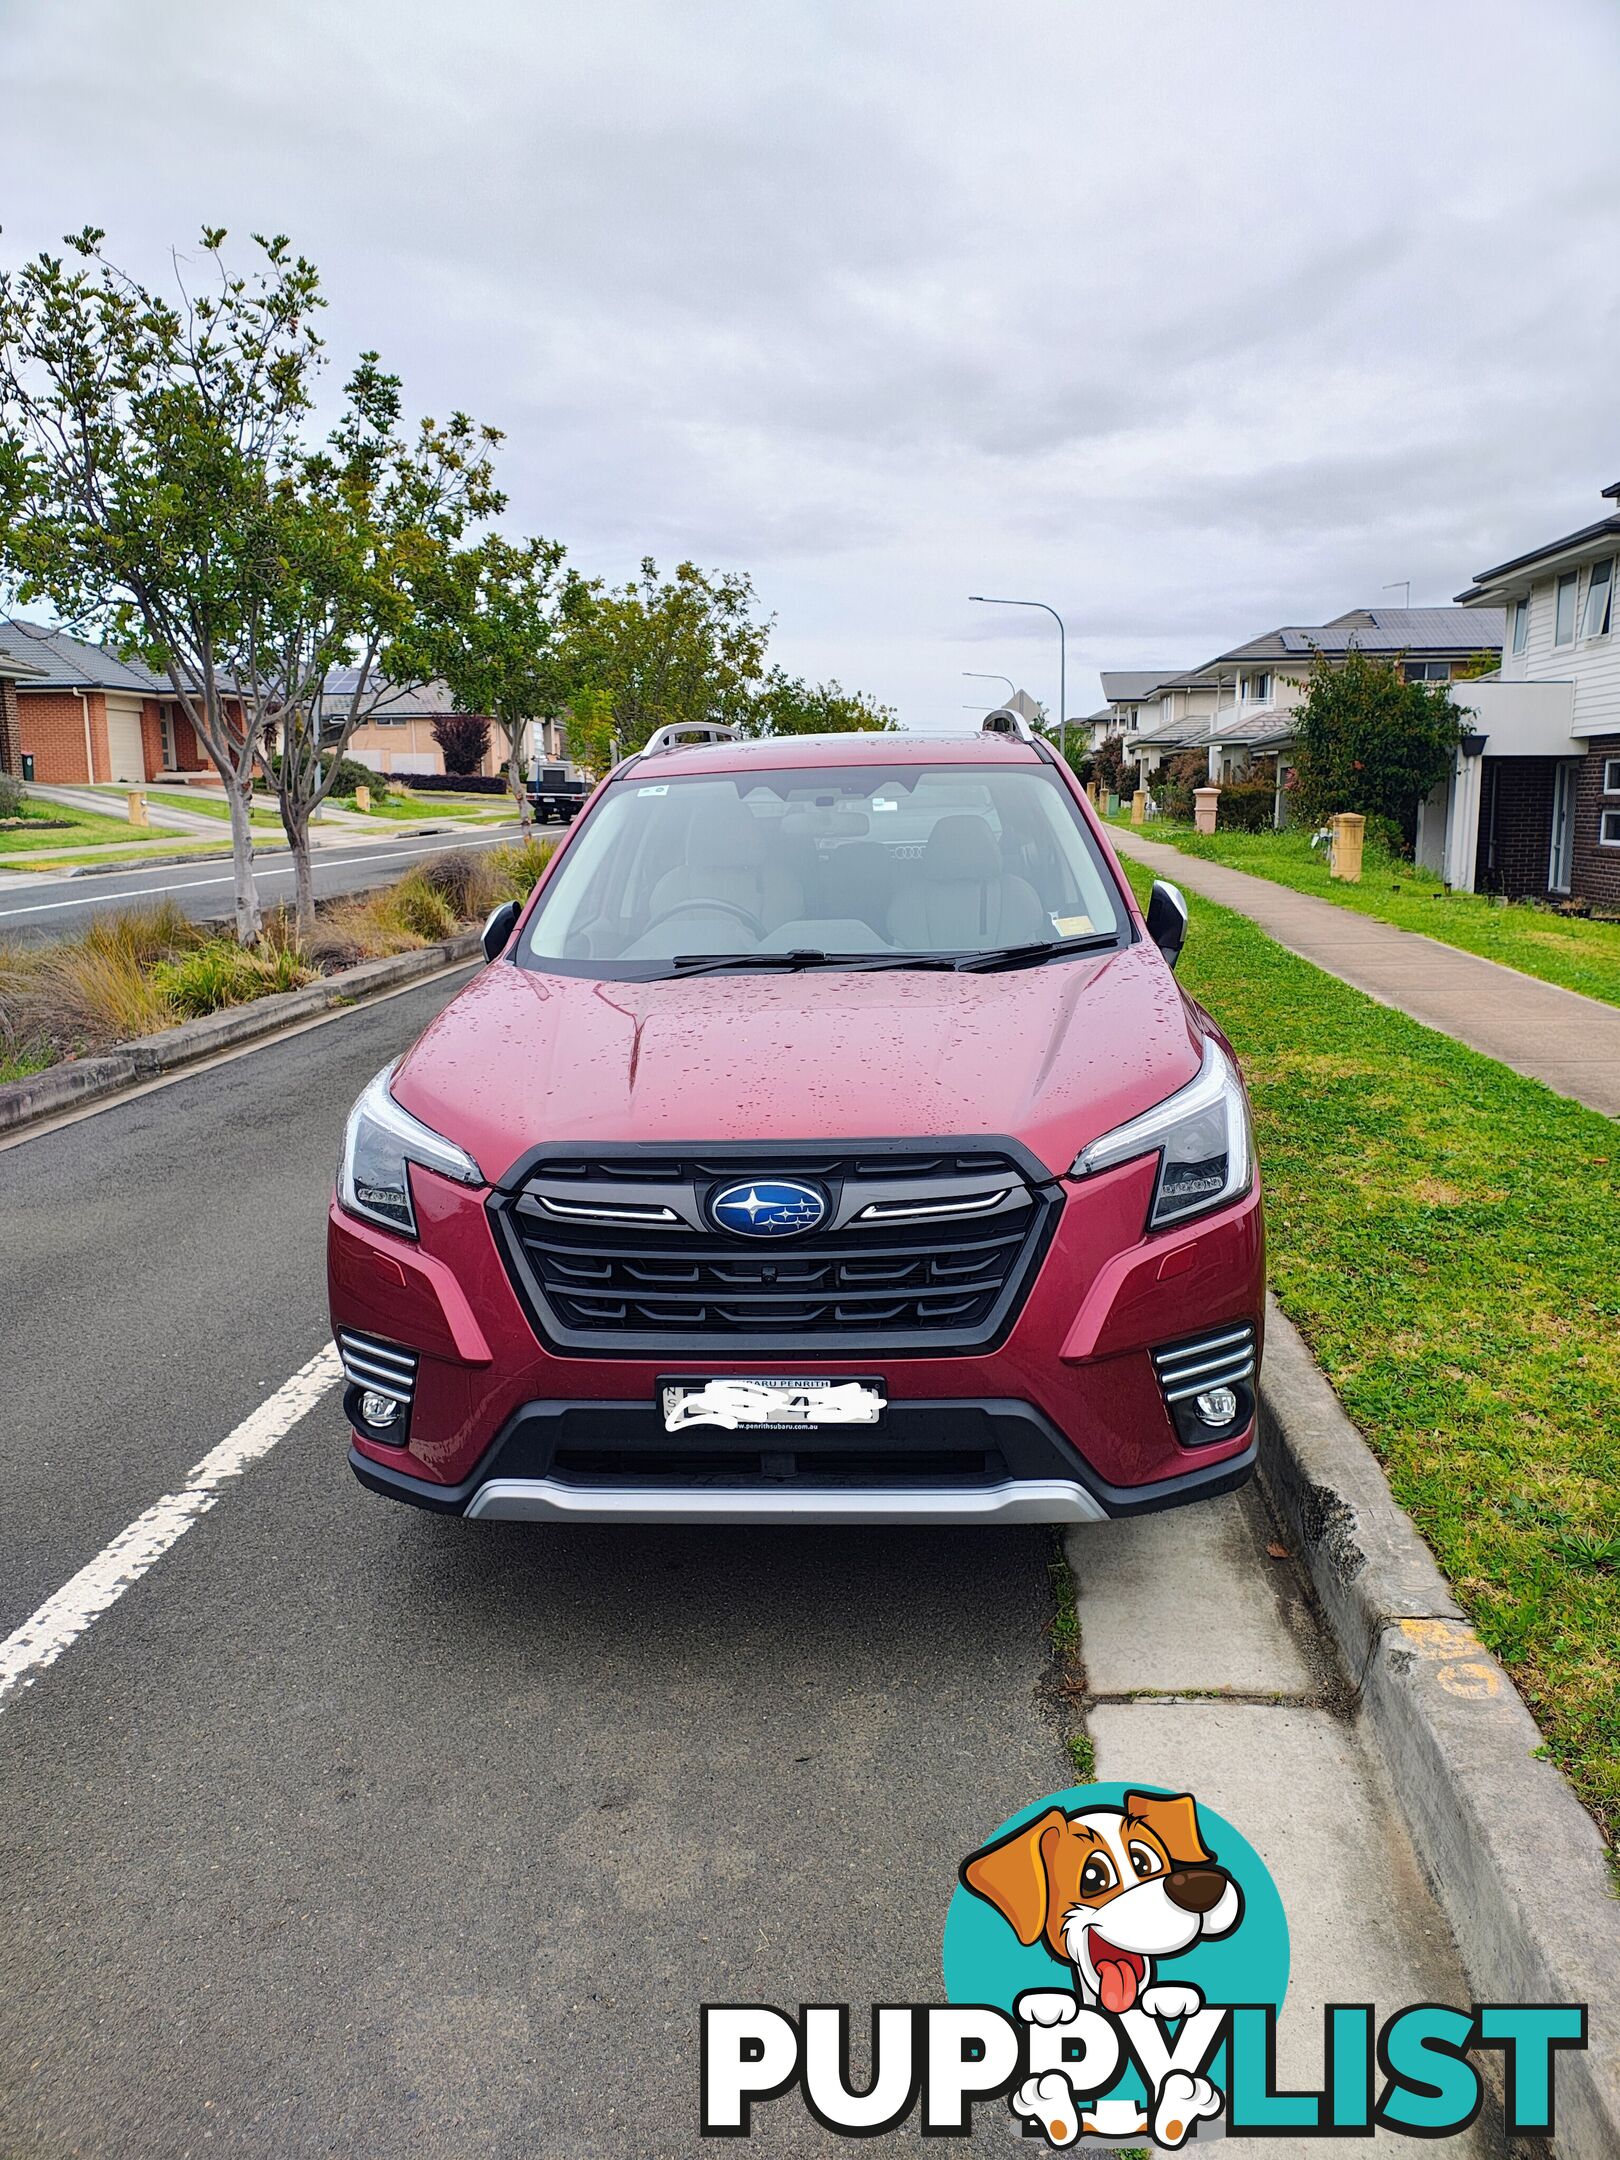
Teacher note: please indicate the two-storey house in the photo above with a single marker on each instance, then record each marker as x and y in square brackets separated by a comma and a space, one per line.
[1542, 816]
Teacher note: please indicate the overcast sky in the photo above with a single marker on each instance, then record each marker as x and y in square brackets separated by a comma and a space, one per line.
[1191, 319]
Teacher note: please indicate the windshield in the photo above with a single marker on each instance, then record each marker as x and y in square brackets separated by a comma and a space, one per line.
[893, 860]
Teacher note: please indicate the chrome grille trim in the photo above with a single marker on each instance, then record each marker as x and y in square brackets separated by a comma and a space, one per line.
[923, 1247]
[1222, 1358]
[384, 1368]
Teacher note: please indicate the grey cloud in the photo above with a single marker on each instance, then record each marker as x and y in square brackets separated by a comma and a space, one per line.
[1191, 320]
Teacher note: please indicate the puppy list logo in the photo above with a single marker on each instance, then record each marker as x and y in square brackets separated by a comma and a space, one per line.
[1115, 1958]
[1113, 1884]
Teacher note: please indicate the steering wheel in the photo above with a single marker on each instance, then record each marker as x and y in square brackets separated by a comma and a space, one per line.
[706, 907]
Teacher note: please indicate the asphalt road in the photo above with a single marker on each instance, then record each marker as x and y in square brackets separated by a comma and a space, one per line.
[351, 1830]
[35, 907]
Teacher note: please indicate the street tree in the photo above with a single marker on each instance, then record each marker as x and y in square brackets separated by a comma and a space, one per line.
[160, 490]
[687, 647]
[142, 443]
[488, 624]
[370, 525]
[787, 705]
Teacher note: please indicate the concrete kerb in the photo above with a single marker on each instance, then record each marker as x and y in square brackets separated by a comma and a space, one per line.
[1514, 1859]
[63, 1087]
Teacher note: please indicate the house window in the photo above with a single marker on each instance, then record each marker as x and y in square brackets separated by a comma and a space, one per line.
[1428, 671]
[1257, 688]
[166, 729]
[1611, 776]
[1521, 625]
[1609, 829]
[1600, 598]
[1564, 610]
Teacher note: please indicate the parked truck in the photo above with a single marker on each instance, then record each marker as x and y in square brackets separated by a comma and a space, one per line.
[556, 791]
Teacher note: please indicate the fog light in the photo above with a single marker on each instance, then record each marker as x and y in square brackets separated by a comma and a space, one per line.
[1217, 1406]
[382, 1410]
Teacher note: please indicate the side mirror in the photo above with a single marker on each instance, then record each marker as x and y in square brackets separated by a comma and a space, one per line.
[498, 929]
[1167, 919]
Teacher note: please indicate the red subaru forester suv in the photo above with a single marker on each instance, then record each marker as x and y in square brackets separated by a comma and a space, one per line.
[827, 1139]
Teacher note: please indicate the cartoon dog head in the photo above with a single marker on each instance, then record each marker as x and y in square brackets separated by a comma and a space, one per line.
[1109, 1890]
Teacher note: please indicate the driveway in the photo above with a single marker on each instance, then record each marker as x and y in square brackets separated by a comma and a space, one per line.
[347, 1829]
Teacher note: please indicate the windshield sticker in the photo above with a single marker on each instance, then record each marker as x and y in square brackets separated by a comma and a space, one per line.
[1071, 925]
[663, 789]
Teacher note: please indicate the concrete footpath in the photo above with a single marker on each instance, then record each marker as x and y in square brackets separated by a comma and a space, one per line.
[1207, 1670]
[1570, 1042]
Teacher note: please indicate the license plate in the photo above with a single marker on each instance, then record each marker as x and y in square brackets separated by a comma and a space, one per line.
[756, 1405]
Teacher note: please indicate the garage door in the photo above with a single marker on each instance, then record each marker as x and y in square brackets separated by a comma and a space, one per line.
[124, 744]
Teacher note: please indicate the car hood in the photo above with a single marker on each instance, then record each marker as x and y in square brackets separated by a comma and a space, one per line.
[1049, 1055]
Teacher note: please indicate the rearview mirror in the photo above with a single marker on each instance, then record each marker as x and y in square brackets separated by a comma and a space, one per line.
[498, 929]
[1167, 919]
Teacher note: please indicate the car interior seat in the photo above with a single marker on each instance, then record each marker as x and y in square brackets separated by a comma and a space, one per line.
[858, 879]
[728, 858]
[962, 898]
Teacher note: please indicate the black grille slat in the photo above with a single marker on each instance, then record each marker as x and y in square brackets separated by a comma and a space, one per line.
[643, 1287]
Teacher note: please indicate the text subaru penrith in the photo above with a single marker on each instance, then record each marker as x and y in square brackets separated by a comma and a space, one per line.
[827, 1139]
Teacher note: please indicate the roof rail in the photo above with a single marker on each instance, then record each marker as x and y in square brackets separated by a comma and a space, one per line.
[671, 736]
[1004, 721]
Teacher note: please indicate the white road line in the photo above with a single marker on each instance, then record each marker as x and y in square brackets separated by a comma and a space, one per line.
[62, 1619]
[343, 862]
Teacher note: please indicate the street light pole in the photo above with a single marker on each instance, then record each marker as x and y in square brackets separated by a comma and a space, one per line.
[979, 675]
[986, 600]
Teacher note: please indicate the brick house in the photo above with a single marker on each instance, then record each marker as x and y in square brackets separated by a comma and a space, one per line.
[83, 714]
[397, 734]
[1538, 817]
[13, 672]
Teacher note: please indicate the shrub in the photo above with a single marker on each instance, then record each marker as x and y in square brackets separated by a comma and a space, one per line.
[464, 880]
[516, 869]
[350, 775]
[412, 906]
[1109, 768]
[1384, 837]
[425, 783]
[220, 973]
[90, 994]
[141, 935]
[11, 796]
[1247, 805]
[464, 739]
[1173, 786]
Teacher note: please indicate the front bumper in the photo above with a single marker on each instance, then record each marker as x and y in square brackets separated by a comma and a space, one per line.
[944, 1461]
[1064, 1419]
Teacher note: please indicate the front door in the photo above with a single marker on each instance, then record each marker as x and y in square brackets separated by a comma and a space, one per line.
[1563, 827]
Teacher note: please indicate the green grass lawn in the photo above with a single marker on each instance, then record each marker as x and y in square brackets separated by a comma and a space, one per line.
[84, 828]
[183, 844]
[414, 808]
[1443, 1233]
[1563, 949]
[208, 803]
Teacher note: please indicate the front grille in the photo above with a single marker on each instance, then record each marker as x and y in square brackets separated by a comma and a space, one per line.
[1223, 1357]
[921, 1251]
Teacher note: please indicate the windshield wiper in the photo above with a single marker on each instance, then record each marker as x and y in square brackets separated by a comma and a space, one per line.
[685, 964]
[1014, 956]
[697, 963]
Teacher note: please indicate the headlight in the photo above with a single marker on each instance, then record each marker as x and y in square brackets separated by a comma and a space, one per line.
[378, 1142]
[1201, 1137]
